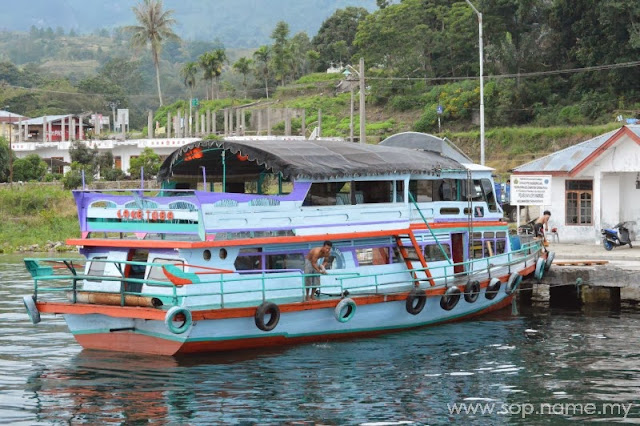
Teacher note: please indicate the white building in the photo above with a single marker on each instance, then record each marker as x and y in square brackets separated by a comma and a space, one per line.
[122, 151]
[595, 184]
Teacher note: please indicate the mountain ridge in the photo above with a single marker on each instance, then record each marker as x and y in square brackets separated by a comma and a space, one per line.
[236, 23]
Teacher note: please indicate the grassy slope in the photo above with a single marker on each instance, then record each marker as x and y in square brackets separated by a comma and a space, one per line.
[35, 214]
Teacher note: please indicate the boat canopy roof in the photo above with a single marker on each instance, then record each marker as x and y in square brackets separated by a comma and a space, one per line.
[298, 159]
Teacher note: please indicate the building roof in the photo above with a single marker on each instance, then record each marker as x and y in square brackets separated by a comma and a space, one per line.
[311, 159]
[10, 117]
[571, 160]
[39, 121]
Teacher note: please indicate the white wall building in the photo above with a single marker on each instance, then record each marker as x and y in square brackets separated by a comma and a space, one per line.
[595, 185]
[122, 151]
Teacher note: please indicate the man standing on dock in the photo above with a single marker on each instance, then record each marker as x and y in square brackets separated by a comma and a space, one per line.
[542, 222]
[312, 268]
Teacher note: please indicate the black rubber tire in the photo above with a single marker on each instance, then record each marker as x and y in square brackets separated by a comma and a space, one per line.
[472, 291]
[420, 296]
[492, 289]
[267, 308]
[450, 298]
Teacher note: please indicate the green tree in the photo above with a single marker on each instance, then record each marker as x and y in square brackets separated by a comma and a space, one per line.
[73, 178]
[262, 56]
[211, 64]
[147, 159]
[189, 72]
[29, 168]
[155, 26]
[279, 49]
[334, 41]
[5, 155]
[82, 154]
[243, 66]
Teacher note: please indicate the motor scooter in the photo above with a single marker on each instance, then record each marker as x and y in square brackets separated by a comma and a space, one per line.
[616, 236]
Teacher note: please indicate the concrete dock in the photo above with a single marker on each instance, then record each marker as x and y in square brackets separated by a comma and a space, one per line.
[587, 274]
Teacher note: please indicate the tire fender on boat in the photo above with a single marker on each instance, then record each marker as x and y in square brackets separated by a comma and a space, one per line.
[540, 268]
[267, 308]
[472, 291]
[513, 283]
[171, 315]
[32, 309]
[492, 289]
[450, 298]
[345, 310]
[549, 261]
[415, 308]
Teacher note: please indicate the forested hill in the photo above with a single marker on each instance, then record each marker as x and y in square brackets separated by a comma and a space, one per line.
[236, 23]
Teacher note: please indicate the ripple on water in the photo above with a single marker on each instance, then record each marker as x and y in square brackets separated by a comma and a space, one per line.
[400, 378]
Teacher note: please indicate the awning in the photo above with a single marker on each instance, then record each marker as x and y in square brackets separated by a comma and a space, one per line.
[310, 159]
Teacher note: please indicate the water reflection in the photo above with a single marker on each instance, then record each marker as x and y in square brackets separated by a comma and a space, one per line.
[410, 376]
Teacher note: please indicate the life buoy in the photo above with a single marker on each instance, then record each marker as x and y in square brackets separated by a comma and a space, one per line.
[472, 291]
[32, 309]
[267, 308]
[513, 282]
[492, 289]
[549, 261]
[170, 318]
[540, 268]
[416, 301]
[345, 310]
[450, 298]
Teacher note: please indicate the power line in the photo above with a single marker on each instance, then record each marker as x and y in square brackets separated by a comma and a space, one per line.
[518, 75]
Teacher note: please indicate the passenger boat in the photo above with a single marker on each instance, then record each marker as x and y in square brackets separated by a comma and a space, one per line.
[214, 260]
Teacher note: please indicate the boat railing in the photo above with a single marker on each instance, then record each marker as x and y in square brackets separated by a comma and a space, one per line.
[528, 251]
[225, 284]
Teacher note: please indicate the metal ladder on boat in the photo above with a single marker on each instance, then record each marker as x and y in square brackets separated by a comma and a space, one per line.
[409, 260]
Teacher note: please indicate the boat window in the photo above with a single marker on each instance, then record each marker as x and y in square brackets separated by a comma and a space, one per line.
[445, 190]
[372, 256]
[374, 191]
[432, 252]
[249, 259]
[156, 273]
[285, 261]
[364, 256]
[474, 188]
[501, 246]
[96, 269]
[449, 210]
[489, 195]
[422, 190]
[323, 194]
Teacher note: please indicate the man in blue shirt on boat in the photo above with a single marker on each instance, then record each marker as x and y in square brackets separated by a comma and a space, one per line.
[312, 268]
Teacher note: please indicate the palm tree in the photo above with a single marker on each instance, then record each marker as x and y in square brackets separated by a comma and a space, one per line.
[243, 66]
[211, 63]
[262, 56]
[188, 72]
[155, 27]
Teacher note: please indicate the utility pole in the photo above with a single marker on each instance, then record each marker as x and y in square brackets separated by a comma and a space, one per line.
[113, 105]
[481, 81]
[363, 132]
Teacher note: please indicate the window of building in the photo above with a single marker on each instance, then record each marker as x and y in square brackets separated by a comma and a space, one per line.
[579, 202]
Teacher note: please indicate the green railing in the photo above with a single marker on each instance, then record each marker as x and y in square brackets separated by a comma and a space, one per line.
[56, 270]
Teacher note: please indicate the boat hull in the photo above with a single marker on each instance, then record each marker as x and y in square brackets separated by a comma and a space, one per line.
[97, 331]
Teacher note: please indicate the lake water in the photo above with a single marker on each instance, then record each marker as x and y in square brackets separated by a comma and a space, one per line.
[576, 364]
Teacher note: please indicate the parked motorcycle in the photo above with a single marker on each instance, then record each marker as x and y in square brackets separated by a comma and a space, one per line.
[616, 237]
